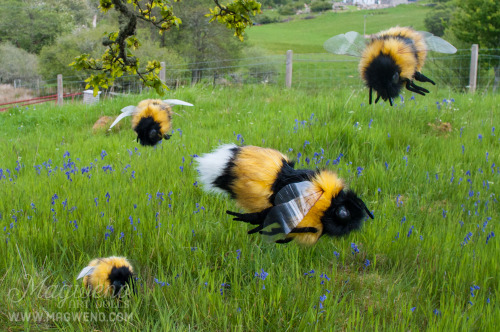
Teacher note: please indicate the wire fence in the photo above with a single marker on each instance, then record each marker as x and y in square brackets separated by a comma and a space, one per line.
[310, 71]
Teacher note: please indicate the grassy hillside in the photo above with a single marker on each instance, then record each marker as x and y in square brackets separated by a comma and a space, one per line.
[428, 168]
[308, 36]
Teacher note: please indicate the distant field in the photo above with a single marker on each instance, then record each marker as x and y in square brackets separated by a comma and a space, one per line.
[308, 36]
[428, 168]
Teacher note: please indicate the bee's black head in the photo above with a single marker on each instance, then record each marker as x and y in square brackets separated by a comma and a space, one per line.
[383, 76]
[120, 278]
[345, 214]
[148, 131]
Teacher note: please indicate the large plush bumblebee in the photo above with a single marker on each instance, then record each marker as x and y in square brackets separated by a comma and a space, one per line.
[108, 276]
[283, 202]
[151, 119]
[391, 58]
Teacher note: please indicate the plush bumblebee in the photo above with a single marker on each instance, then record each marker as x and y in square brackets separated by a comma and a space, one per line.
[151, 119]
[108, 276]
[283, 202]
[391, 58]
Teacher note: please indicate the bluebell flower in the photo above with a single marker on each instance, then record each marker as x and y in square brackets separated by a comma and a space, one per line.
[263, 275]
[161, 283]
[107, 197]
[489, 237]
[466, 239]
[480, 137]
[354, 248]
[238, 253]
[359, 170]
[54, 198]
[103, 154]
[336, 254]
[413, 309]
[370, 124]
[410, 231]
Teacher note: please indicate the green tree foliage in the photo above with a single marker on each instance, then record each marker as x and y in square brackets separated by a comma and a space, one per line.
[199, 41]
[118, 58]
[16, 63]
[29, 26]
[55, 59]
[438, 18]
[477, 21]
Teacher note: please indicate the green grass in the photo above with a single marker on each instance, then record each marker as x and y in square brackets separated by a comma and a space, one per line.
[308, 36]
[439, 185]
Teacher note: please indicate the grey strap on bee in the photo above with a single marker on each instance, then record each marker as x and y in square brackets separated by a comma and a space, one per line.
[292, 203]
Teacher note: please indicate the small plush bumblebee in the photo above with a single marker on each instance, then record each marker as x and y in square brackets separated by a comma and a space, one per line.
[151, 119]
[283, 202]
[391, 58]
[108, 276]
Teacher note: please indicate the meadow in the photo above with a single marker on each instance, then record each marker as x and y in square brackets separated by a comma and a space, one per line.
[308, 35]
[428, 168]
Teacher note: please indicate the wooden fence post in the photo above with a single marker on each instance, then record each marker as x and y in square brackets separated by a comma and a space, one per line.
[289, 65]
[473, 68]
[162, 72]
[60, 92]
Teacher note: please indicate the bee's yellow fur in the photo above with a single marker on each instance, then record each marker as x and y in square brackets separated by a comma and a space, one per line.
[408, 59]
[98, 281]
[256, 169]
[158, 110]
[328, 183]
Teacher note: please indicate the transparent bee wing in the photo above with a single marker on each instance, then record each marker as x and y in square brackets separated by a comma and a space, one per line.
[350, 43]
[437, 44]
[173, 102]
[85, 272]
[126, 111]
[293, 202]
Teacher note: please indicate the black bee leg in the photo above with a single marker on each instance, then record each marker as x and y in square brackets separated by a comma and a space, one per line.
[256, 218]
[370, 96]
[415, 88]
[422, 78]
[390, 101]
[376, 100]
[273, 231]
[256, 229]
[283, 241]
[304, 230]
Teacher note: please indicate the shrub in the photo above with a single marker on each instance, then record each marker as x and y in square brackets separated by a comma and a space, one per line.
[320, 6]
[16, 63]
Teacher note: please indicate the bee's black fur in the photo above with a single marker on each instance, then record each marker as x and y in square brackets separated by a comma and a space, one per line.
[337, 226]
[144, 130]
[119, 278]
[288, 175]
[379, 76]
[227, 177]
